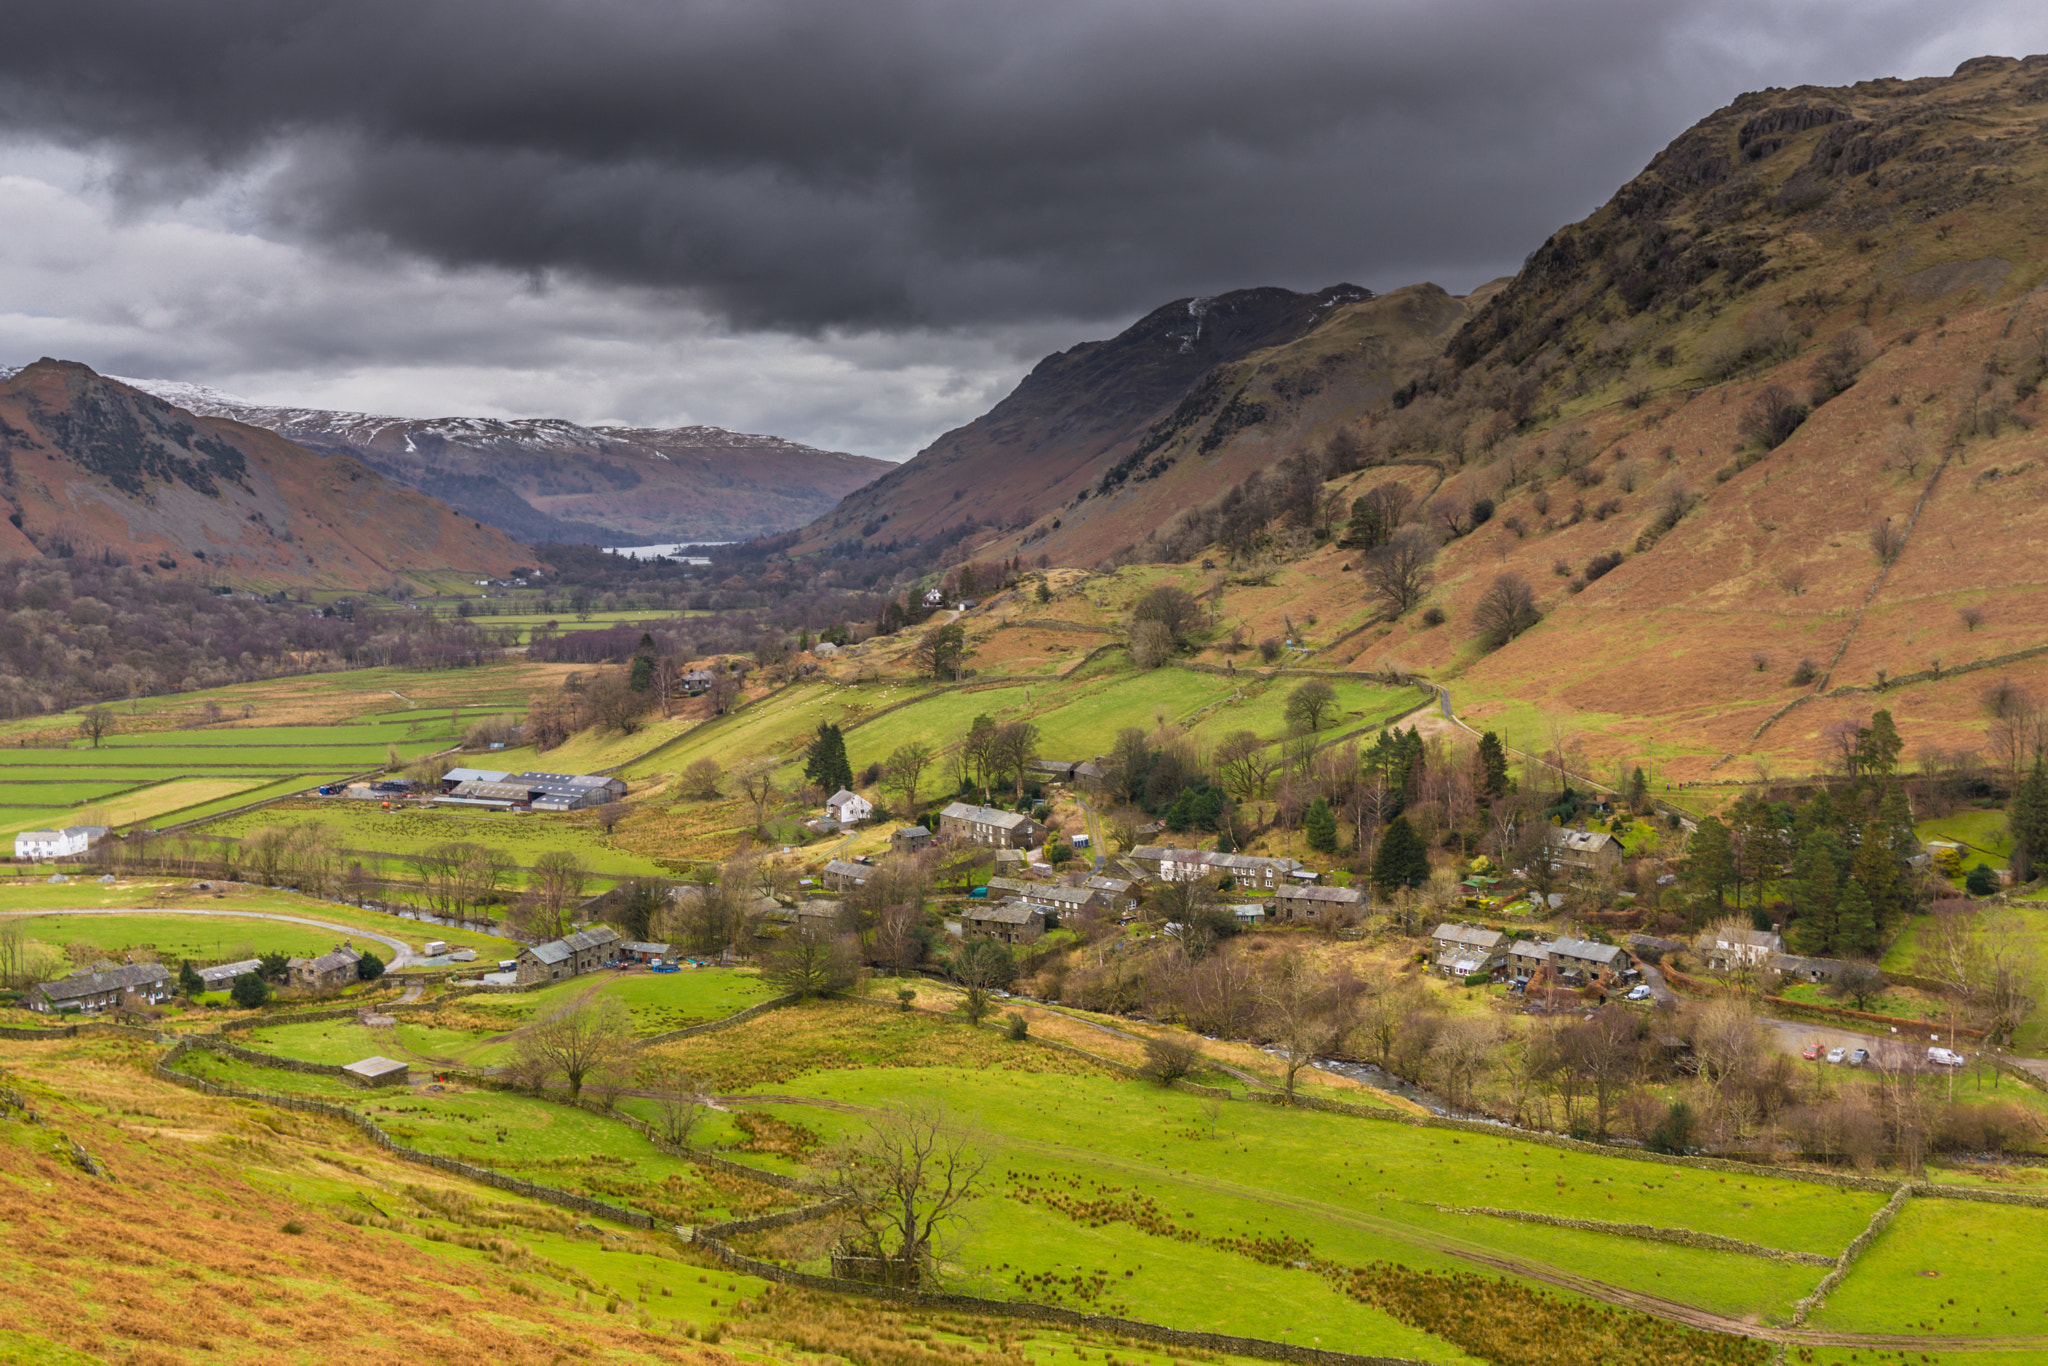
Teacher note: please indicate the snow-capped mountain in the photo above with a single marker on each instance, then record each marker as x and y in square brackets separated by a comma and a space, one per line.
[542, 479]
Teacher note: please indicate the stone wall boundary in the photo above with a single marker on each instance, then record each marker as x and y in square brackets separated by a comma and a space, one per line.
[1878, 1223]
[713, 1026]
[1683, 1237]
[1042, 1313]
[166, 1070]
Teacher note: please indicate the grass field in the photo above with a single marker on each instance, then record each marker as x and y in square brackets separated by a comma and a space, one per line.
[1982, 834]
[367, 827]
[225, 925]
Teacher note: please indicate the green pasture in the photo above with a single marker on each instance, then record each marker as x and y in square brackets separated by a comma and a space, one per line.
[367, 827]
[233, 919]
[1348, 1191]
[771, 727]
[942, 720]
[1263, 709]
[1948, 1268]
[1982, 834]
[533, 1139]
[173, 938]
[2028, 920]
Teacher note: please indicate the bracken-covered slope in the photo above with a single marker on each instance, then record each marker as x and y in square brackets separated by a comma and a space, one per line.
[1100, 443]
[1870, 260]
[88, 465]
[545, 479]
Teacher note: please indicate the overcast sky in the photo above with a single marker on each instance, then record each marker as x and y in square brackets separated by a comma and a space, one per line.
[852, 224]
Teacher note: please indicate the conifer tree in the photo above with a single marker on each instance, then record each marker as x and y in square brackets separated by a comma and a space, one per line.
[1320, 825]
[1817, 872]
[1709, 863]
[825, 761]
[1493, 767]
[1856, 928]
[2028, 822]
[189, 980]
[1401, 861]
[1638, 794]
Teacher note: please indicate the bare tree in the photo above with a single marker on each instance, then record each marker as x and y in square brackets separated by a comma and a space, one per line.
[1464, 1050]
[1307, 704]
[1306, 1012]
[678, 1105]
[1505, 610]
[904, 769]
[1399, 572]
[812, 960]
[902, 1181]
[1243, 764]
[556, 882]
[757, 781]
[95, 722]
[575, 1043]
[700, 779]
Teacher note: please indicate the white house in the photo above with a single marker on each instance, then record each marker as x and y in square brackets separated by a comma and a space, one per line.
[44, 844]
[848, 808]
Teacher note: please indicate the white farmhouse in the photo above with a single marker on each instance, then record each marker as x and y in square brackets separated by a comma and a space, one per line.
[848, 808]
[47, 844]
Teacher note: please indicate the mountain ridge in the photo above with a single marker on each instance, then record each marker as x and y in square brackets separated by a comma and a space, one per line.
[543, 479]
[90, 465]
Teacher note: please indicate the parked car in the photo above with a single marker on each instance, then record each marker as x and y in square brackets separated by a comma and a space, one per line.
[1641, 993]
[1858, 1057]
[1945, 1057]
[1837, 1054]
[1810, 1052]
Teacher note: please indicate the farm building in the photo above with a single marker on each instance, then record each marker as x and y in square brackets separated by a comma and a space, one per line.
[1009, 922]
[1732, 948]
[910, 839]
[222, 975]
[1463, 950]
[638, 952]
[335, 968]
[1116, 891]
[527, 791]
[69, 842]
[842, 875]
[848, 808]
[91, 992]
[570, 956]
[697, 681]
[1295, 904]
[1586, 852]
[1046, 897]
[1574, 961]
[989, 825]
[377, 1071]
[1169, 864]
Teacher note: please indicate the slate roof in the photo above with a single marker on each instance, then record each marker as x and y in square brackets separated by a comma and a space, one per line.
[986, 815]
[1468, 935]
[839, 867]
[228, 972]
[1581, 948]
[113, 979]
[1004, 913]
[1343, 896]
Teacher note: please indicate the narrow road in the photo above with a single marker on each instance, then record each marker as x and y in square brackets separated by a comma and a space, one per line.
[1094, 831]
[1659, 988]
[401, 952]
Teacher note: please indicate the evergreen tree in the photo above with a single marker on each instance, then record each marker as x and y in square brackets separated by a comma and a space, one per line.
[803, 640]
[1638, 791]
[1710, 862]
[250, 991]
[189, 980]
[1982, 881]
[1817, 873]
[1881, 875]
[825, 761]
[1493, 767]
[1401, 861]
[1321, 827]
[1877, 747]
[641, 679]
[1856, 928]
[2028, 822]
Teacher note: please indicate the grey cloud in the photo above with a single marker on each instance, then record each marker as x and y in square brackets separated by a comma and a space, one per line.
[804, 165]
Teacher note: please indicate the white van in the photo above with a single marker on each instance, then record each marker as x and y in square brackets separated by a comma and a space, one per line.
[1945, 1057]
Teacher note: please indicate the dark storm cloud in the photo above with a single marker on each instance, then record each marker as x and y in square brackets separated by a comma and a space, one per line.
[903, 162]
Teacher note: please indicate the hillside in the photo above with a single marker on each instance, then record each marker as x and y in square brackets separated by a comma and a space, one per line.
[545, 479]
[1789, 376]
[88, 464]
[1100, 442]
